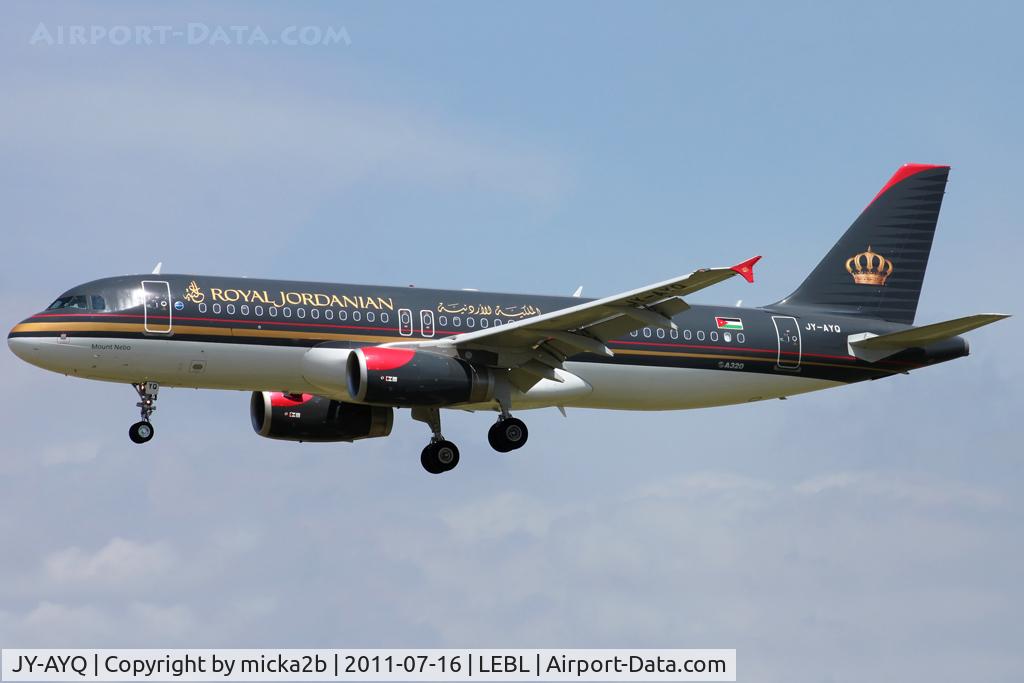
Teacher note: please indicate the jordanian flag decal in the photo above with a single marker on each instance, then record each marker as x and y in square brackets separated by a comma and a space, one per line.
[729, 323]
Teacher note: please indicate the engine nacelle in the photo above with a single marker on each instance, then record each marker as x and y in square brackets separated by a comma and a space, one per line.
[411, 377]
[305, 417]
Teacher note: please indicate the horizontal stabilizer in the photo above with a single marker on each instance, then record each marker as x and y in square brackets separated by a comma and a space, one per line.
[871, 347]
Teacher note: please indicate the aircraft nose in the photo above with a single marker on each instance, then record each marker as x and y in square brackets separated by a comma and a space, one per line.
[19, 346]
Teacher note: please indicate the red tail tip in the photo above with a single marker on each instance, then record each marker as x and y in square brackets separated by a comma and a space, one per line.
[746, 269]
[904, 172]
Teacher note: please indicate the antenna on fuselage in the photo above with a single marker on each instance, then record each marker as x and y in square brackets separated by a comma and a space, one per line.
[156, 269]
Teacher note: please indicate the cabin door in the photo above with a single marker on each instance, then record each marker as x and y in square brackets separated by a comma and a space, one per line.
[788, 332]
[157, 313]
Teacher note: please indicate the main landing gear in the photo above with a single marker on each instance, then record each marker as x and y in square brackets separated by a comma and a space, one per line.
[441, 455]
[507, 434]
[142, 431]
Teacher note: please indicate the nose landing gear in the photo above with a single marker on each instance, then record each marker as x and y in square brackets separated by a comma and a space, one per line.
[142, 431]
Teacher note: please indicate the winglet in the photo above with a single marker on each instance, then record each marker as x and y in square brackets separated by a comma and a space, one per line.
[746, 269]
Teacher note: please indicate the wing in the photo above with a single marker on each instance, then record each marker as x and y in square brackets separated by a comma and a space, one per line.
[539, 344]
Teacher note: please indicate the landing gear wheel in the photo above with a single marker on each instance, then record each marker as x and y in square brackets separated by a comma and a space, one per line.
[508, 434]
[141, 432]
[439, 456]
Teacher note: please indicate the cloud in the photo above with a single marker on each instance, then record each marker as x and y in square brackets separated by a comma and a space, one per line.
[892, 486]
[119, 563]
[501, 515]
[69, 453]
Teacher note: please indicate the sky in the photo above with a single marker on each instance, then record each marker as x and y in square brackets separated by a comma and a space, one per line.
[870, 532]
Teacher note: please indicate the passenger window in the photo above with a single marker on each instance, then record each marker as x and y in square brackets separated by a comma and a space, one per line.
[457, 321]
[342, 315]
[231, 309]
[329, 314]
[442, 320]
[470, 322]
[314, 313]
[259, 311]
[370, 317]
[384, 317]
[357, 316]
[674, 334]
[98, 303]
[661, 333]
[687, 335]
[244, 309]
[647, 332]
[301, 312]
[273, 311]
[714, 335]
[700, 335]
[287, 311]
[740, 337]
[216, 308]
[202, 308]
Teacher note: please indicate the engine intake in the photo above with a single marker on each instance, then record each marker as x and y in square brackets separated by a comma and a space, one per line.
[411, 377]
[305, 417]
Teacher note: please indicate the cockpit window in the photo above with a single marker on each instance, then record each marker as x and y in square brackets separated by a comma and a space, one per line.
[76, 301]
[98, 303]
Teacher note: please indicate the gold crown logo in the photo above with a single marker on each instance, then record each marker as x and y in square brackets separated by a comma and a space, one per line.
[193, 293]
[869, 268]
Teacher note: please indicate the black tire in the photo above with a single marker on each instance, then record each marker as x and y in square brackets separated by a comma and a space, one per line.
[496, 437]
[439, 457]
[141, 432]
[447, 455]
[429, 461]
[508, 434]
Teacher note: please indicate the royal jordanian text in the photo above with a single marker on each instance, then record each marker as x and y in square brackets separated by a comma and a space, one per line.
[280, 299]
[369, 665]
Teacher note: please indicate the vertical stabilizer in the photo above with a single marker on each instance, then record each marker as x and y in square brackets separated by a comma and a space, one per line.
[877, 267]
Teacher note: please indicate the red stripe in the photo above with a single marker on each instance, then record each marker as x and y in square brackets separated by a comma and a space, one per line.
[377, 328]
[280, 400]
[378, 358]
[443, 332]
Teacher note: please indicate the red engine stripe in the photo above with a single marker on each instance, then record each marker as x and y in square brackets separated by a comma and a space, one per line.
[378, 358]
[279, 400]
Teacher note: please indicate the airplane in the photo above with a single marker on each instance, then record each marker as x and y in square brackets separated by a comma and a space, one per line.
[332, 362]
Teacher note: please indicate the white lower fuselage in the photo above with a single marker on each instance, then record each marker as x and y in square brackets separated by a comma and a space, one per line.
[253, 367]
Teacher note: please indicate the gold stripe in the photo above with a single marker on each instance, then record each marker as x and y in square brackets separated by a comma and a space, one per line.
[199, 329]
[332, 336]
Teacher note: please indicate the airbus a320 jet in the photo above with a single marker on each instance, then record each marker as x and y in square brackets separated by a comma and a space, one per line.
[332, 362]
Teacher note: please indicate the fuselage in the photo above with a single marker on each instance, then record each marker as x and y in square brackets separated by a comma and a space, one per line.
[263, 335]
